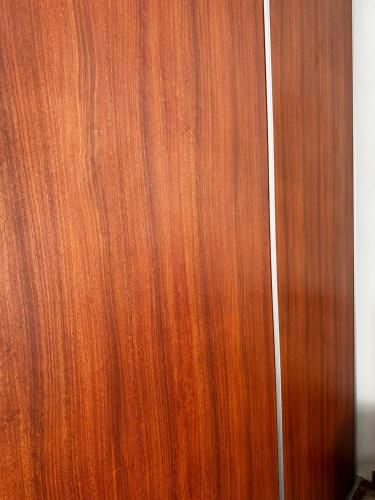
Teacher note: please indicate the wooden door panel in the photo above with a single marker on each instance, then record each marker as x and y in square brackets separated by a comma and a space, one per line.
[136, 352]
[312, 90]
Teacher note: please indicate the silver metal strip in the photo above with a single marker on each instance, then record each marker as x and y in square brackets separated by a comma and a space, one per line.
[272, 211]
[354, 34]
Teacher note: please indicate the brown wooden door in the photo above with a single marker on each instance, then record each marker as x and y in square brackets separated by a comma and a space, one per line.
[136, 351]
[312, 90]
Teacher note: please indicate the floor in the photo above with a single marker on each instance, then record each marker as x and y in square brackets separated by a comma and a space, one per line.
[365, 491]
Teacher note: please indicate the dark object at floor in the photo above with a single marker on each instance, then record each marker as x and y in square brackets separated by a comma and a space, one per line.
[365, 489]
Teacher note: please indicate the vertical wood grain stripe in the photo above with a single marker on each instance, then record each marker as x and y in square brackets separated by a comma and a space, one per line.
[273, 252]
[313, 143]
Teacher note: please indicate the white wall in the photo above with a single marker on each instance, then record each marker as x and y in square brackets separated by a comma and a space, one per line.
[364, 119]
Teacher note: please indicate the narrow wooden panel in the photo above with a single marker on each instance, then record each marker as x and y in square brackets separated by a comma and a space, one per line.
[136, 331]
[312, 87]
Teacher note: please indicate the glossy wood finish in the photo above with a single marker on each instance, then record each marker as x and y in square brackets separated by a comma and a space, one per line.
[136, 327]
[312, 88]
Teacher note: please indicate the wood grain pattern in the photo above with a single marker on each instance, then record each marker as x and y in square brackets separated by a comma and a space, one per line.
[312, 86]
[136, 344]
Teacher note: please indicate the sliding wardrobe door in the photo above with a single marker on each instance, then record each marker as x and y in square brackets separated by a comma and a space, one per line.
[312, 92]
[136, 343]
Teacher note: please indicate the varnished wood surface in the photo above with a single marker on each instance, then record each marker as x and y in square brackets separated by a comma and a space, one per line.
[136, 344]
[312, 88]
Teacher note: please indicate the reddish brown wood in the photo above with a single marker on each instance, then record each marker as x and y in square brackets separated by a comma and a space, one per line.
[136, 332]
[312, 86]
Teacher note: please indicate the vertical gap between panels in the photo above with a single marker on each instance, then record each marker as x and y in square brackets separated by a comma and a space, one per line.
[354, 34]
[272, 212]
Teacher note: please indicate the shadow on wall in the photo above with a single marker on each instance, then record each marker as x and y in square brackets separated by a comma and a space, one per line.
[366, 439]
